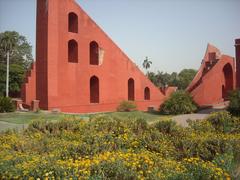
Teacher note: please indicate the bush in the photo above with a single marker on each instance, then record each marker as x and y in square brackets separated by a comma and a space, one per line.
[180, 102]
[107, 147]
[200, 125]
[223, 122]
[166, 126]
[204, 145]
[140, 125]
[126, 106]
[44, 126]
[234, 105]
[6, 105]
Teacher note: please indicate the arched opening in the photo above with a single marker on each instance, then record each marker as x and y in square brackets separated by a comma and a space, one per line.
[223, 89]
[72, 22]
[94, 55]
[227, 81]
[94, 89]
[131, 89]
[146, 93]
[72, 51]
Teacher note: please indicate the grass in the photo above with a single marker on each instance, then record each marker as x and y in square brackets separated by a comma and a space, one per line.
[20, 120]
[150, 117]
[27, 117]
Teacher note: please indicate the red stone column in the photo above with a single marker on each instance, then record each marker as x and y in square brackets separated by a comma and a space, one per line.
[237, 47]
[35, 105]
[17, 103]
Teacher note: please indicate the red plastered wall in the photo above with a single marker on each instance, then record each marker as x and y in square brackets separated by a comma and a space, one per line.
[66, 85]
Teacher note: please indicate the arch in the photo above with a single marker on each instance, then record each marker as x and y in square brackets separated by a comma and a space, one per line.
[94, 54]
[72, 51]
[131, 93]
[227, 80]
[146, 93]
[223, 89]
[94, 89]
[72, 22]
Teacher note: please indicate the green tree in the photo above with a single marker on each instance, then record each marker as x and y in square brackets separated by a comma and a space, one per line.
[147, 63]
[22, 51]
[15, 47]
[153, 78]
[163, 78]
[7, 43]
[234, 104]
[181, 80]
[173, 81]
[185, 77]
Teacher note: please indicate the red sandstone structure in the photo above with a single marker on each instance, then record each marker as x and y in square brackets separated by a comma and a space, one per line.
[237, 48]
[218, 74]
[79, 68]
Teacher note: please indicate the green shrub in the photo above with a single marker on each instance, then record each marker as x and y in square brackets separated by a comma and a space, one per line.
[107, 147]
[222, 121]
[200, 125]
[166, 126]
[225, 161]
[234, 105]
[199, 169]
[37, 125]
[53, 127]
[112, 170]
[204, 145]
[179, 102]
[6, 105]
[140, 125]
[126, 106]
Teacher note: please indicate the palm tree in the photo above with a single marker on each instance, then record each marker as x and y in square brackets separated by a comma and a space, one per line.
[7, 42]
[147, 63]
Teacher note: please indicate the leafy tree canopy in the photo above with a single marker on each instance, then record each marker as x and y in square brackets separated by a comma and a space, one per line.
[21, 52]
[181, 80]
[185, 77]
[20, 60]
[147, 63]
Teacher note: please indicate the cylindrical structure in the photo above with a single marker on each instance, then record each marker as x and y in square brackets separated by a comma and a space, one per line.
[237, 48]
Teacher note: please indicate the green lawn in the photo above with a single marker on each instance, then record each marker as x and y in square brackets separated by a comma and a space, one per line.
[27, 117]
[150, 117]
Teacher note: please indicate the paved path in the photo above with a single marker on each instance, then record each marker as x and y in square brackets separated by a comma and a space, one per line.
[5, 125]
[182, 119]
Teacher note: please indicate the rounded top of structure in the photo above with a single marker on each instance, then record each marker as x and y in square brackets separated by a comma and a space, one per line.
[237, 42]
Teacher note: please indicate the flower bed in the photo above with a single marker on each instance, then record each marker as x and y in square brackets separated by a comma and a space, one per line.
[106, 147]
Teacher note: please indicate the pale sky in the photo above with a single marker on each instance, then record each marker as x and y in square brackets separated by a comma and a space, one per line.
[172, 33]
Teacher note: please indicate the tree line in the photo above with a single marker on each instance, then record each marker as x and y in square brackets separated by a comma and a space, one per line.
[180, 80]
[163, 79]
